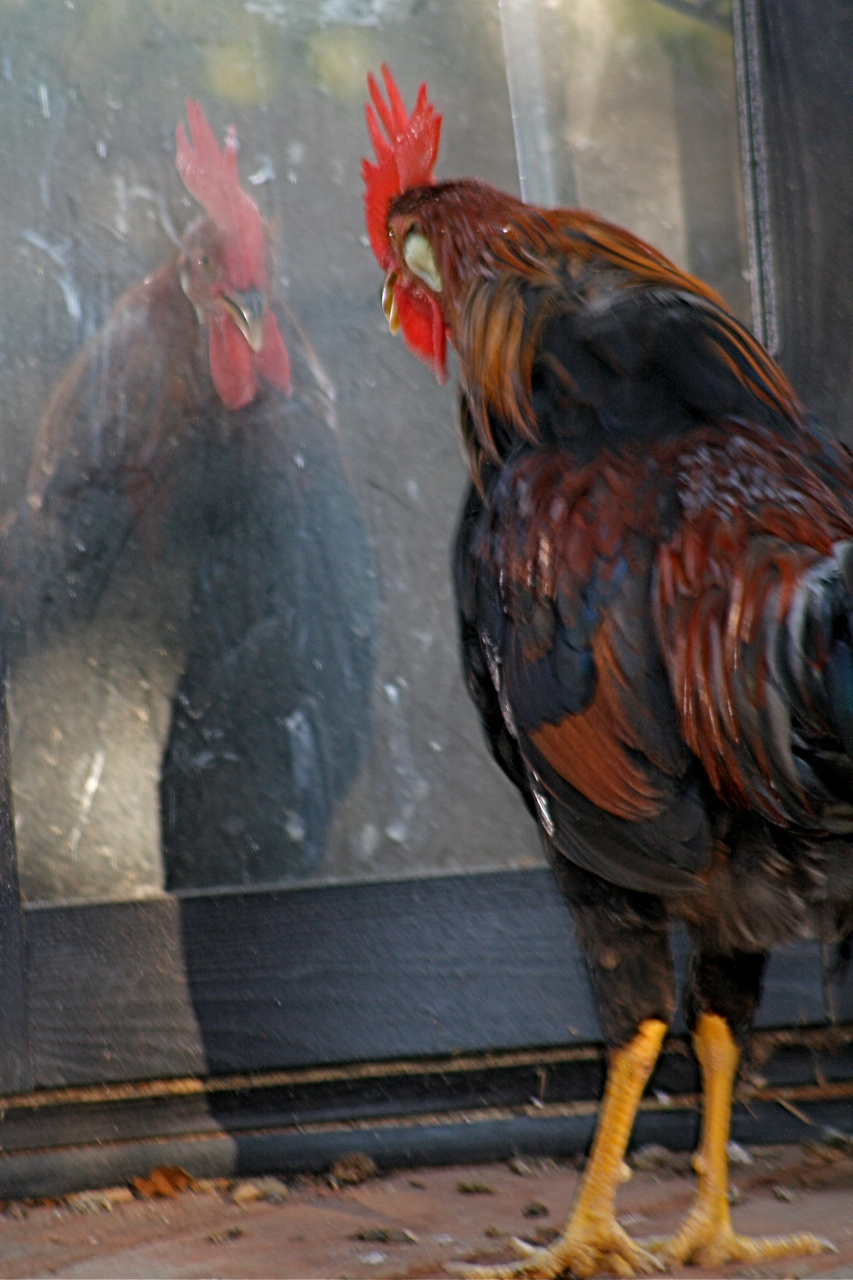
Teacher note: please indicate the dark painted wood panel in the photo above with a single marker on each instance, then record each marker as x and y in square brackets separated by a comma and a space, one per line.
[237, 982]
[107, 993]
[807, 94]
[475, 1086]
[42, 1173]
[293, 978]
[15, 1066]
[373, 971]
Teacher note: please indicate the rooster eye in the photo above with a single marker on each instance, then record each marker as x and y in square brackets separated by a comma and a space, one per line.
[204, 261]
[419, 258]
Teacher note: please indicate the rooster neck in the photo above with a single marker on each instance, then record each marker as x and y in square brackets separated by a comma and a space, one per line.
[578, 354]
[573, 333]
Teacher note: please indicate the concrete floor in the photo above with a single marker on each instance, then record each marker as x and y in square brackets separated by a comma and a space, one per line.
[407, 1224]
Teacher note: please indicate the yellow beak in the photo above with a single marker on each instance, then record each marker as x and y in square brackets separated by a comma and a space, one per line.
[247, 310]
[389, 302]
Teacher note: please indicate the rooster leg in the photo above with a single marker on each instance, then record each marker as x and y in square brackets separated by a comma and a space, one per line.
[706, 1236]
[593, 1241]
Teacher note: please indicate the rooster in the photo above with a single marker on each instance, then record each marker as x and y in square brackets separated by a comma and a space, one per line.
[654, 579]
[198, 430]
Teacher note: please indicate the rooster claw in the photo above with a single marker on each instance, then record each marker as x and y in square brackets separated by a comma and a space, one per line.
[520, 1247]
[619, 1256]
[716, 1249]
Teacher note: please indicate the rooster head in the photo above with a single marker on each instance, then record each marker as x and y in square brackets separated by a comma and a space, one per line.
[224, 270]
[406, 148]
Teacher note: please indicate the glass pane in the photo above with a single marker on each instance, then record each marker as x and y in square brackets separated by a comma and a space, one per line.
[628, 108]
[229, 633]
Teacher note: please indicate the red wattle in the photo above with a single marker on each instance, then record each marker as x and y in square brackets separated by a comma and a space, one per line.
[423, 329]
[273, 362]
[232, 364]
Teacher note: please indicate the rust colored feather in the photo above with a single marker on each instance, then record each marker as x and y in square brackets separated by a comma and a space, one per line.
[756, 516]
[592, 750]
[535, 250]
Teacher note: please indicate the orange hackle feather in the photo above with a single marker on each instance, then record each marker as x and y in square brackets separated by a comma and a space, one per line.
[497, 336]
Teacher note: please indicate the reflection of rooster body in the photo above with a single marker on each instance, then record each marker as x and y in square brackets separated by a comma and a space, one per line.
[654, 573]
[186, 434]
[271, 714]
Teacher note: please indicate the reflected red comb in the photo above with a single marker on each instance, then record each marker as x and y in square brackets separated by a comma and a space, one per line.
[405, 159]
[210, 174]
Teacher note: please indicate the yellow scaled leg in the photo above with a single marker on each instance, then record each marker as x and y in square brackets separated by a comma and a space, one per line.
[593, 1241]
[706, 1236]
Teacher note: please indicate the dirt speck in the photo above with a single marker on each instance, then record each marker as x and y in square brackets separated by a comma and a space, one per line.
[352, 1169]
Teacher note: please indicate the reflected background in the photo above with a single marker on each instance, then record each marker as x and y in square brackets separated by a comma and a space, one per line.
[628, 108]
[254, 679]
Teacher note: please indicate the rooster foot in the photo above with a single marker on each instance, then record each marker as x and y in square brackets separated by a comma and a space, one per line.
[596, 1248]
[593, 1243]
[706, 1236]
[706, 1242]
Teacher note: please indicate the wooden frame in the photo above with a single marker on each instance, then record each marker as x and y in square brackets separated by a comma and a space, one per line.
[16, 1073]
[440, 986]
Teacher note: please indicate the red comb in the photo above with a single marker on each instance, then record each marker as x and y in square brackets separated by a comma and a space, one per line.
[405, 159]
[210, 174]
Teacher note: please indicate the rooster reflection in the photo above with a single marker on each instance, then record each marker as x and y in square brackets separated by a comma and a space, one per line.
[198, 430]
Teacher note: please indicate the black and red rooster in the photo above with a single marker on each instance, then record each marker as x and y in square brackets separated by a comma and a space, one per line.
[199, 429]
[654, 577]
